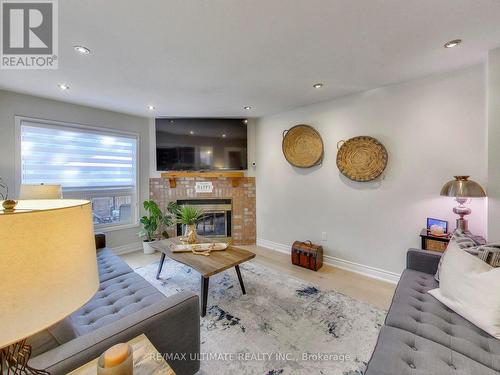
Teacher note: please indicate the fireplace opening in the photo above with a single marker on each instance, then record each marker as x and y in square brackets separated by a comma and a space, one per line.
[217, 220]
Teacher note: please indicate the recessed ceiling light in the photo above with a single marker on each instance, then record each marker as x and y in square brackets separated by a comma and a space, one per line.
[247, 107]
[452, 43]
[151, 107]
[81, 49]
[191, 132]
[318, 85]
[172, 121]
[223, 136]
[63, 86]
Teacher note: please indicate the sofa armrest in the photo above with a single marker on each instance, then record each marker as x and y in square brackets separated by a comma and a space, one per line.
[100, 240]
[172, 325]
[423, 260]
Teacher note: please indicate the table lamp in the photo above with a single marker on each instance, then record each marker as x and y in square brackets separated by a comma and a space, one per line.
[48, 271]
[461, 188]
[40, 191]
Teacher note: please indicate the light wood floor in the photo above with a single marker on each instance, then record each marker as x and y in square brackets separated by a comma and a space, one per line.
[363, 288]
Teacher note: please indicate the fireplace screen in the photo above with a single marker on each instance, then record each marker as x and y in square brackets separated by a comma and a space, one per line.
[217, 219]
[213, 225]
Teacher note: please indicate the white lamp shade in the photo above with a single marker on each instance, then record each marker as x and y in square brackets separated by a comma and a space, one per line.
[48, 268]
[41, 191]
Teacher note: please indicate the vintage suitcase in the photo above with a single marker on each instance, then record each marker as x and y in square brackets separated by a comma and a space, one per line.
[308, 255]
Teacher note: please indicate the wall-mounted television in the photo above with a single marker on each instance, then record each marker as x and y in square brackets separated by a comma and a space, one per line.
[200, 144]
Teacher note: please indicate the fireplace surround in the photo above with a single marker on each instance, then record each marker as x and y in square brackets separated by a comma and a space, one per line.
[242, 197]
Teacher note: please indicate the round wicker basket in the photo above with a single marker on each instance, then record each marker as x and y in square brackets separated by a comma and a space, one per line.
[302, 146]
[362, 158]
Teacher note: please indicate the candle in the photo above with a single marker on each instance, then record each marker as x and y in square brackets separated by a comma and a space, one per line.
[115, 355]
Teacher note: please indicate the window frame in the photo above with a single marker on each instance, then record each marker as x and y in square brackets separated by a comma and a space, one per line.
[101, 129]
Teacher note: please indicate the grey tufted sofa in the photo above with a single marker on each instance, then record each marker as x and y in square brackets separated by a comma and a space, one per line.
[124, 307]
[421, 336]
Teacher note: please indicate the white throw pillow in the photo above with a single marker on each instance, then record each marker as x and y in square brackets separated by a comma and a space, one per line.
[464, 241]
[471, 288]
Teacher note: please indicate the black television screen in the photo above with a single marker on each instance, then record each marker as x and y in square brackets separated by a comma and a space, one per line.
[195, 144]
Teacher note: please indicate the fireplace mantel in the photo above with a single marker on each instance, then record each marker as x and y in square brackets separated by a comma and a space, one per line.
[173, 176]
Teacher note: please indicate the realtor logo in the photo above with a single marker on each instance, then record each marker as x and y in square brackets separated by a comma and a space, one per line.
[29, 34]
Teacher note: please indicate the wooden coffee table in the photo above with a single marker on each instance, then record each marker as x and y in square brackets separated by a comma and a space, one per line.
[207, 266]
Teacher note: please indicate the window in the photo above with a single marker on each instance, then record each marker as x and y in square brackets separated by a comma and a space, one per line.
[95, 165]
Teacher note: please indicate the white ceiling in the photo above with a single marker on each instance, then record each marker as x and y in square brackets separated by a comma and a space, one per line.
[212, 57]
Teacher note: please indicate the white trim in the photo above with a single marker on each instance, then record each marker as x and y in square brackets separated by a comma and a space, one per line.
[18, 119]
[17, 155]
[274, 246]
[49, 122]
[362, 269]
[128, 248]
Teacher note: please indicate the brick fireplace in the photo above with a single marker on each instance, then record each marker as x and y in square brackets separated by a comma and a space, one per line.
[241, 197]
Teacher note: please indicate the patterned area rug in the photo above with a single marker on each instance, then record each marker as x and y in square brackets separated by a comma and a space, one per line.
[281, 326]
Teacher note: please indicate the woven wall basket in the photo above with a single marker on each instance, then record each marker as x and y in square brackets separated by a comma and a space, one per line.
[361, 158]
[302, 146]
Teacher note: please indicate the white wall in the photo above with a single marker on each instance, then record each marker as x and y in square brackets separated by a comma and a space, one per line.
[494, 145]
[433, 128]
[13, 104]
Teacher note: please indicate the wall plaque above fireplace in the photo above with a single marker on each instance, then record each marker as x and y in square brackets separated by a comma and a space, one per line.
[204, 187]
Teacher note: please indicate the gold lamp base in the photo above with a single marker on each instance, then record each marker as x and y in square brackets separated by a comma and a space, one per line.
[14, 360]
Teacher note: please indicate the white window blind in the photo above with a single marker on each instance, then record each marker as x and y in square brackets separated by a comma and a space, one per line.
[76, 158]
[89, 164]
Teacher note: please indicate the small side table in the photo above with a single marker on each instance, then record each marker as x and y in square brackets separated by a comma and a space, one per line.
[438, 243]
[147, 360]
[434, 243]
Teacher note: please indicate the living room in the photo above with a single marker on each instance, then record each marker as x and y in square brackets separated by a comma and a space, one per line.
[278, 187]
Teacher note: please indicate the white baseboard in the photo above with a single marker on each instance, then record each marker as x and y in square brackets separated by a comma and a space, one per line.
[363, 269]
[373, 272]
[274, 246]
[128, 248]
